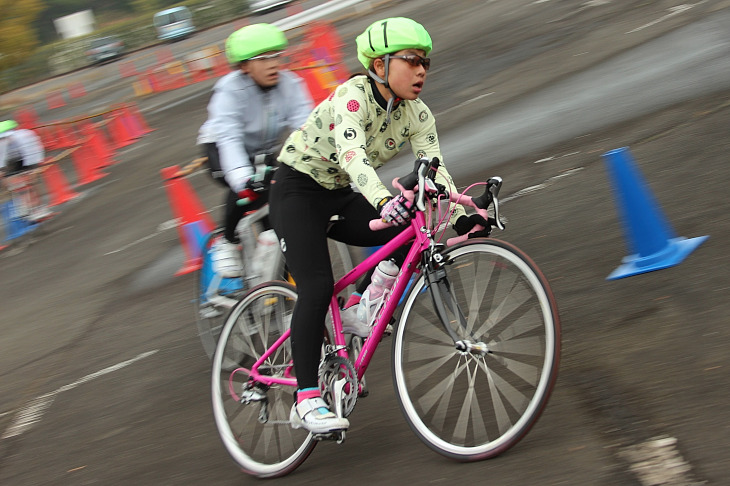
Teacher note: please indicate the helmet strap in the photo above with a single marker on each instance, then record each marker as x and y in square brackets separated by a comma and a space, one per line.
[393, 97]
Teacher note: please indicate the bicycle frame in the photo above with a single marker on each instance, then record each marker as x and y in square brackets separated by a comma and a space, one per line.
[416, 232]
[422, 237]
[479, 316]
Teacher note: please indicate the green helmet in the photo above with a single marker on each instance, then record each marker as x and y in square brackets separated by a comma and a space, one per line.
[253, 40]
[391, 35]
[7, 125]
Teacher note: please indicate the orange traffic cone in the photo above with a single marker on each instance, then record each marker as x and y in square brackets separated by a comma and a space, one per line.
[59, 191]
[87, 170]
[186, 208]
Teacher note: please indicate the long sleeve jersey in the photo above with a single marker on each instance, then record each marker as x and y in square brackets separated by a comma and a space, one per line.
[347, 137]
[21, 144]
[245, 120]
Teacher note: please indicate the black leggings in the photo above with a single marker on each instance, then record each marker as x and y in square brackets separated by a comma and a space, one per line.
[233, 212]
[300, 212]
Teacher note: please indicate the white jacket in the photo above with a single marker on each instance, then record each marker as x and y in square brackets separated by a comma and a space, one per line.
[245, 120]
[21, 144]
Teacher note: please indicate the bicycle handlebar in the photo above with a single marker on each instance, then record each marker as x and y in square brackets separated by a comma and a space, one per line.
[258, 183]
[422, 177]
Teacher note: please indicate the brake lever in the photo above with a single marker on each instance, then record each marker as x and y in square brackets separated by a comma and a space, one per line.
[494, 184]
[422, 171]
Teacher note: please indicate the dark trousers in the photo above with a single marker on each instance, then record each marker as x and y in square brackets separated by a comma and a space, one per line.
[233, 213]
[300, 212]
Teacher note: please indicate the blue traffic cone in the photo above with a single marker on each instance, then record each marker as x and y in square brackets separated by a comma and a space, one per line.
[651, 239]
[194, 237]
[15, 226]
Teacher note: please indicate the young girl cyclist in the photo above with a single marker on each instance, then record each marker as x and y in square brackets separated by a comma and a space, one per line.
[361, 126]
[250, 113]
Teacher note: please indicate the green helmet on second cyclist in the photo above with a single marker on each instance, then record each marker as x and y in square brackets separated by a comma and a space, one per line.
[382, 41]
[6, 126]
[257, 42]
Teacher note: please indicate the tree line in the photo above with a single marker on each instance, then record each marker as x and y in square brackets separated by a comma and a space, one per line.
[27, 24]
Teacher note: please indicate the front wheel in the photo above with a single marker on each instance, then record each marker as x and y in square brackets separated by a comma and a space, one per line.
[475, 404]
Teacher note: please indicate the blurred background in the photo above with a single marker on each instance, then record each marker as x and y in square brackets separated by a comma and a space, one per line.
[102, 375]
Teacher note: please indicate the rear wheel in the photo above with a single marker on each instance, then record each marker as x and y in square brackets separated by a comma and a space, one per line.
[253, 419]
[476, 403]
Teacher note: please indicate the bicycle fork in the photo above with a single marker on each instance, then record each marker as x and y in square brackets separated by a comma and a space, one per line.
[445, 303]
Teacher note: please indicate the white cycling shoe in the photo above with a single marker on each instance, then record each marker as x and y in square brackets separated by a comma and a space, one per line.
[39, 214]
[308, 414]
[225, 258]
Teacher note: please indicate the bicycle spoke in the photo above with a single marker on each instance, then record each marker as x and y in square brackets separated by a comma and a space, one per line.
[419, 374]
[502, 388]
[267, 448]
[470, 408]
[476, 277]
[477, 402]
[506, 300]
[440, 393]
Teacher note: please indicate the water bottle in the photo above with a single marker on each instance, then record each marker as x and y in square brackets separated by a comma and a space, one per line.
[382, 281]
[263, 261]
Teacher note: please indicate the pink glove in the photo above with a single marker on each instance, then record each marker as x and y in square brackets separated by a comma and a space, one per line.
[396, 211]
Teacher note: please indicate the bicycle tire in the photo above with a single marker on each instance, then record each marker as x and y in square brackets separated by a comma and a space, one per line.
[273, 448]
[209, 318]
[463, 405]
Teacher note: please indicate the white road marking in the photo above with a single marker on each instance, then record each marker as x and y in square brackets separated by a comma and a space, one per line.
[672, 12]
[144, 238]
[33, 411]
[538, 187]
[164, 226]
[315, 13]
[472, 100]
[553, 157]
[29, 415]
[105, 371]
[657, 462]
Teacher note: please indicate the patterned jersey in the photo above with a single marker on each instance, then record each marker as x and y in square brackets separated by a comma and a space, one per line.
[347, 137]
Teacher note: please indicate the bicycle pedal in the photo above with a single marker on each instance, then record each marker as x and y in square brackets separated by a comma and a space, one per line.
[338, 436]
[210, 313]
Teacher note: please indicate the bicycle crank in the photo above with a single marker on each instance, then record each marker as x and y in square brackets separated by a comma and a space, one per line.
[338, 384]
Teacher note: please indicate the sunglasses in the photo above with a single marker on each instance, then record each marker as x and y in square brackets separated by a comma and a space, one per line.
[266, 57]
[415, 60]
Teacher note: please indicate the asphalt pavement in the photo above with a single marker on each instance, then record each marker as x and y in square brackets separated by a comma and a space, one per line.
[104, 380]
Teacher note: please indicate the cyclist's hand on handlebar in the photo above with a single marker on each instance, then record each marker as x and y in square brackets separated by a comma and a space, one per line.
[396, 210]
[252, 190]
[474, 225]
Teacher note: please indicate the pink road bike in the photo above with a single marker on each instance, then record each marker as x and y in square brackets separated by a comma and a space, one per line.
[475, 347]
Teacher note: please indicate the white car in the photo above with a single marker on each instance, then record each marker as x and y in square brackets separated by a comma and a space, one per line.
[263, 6]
